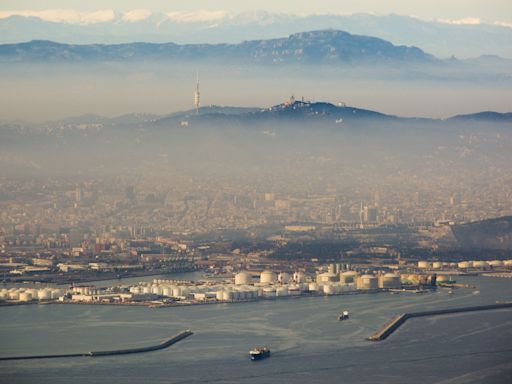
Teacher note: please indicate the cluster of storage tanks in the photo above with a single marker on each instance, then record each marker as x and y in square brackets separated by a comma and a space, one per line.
[268, 285]
[200, 292]
[477, 264]
[30, 294]
[353, 280]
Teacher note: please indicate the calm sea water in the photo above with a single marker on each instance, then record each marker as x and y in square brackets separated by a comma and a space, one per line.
[309, 345]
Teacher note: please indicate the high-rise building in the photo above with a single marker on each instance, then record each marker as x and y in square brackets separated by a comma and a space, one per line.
[78, 194]
[370, 214]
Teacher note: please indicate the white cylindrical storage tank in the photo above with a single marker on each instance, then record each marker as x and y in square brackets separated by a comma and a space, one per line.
[348, 277]
[443, 278]
[268, 277]
[282, 291]
[480, 264]
[496, 263]
[294, 290]
[14, 295]
[367, 282]
[146, 290]
[227, 295]
[507, 263]
[329, 289]
[219, 295]
[44, 294]
[176, 292]
[299, 277]
[390, 280]
[269, 292]
[167, 291]
[283, 278]
[243, 278]
[25, 296]
[437, 265]
[423, 264]
[313, 287]
[137, 290]
[56, 293]
[326, 277]
[464, 265]
[155, 289]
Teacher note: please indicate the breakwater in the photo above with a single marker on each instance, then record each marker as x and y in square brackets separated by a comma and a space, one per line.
[173, 340]
[398, 320]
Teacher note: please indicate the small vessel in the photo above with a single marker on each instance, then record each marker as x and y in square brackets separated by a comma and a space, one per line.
[343, 315]
[258, 353]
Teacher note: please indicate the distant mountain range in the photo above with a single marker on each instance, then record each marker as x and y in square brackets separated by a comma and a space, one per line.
[326, 47]
[463, 38]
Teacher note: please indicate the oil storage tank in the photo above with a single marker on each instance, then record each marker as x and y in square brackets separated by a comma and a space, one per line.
[367, 282]
[282, 291]
[299, 277]
[389, 280]
[268, 277]
[283, 278]
[243, 278]
[326, 277]
[423, 264]
[348, 277]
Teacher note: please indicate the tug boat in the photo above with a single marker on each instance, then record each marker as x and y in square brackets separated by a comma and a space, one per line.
[258, 353]
[343, 316]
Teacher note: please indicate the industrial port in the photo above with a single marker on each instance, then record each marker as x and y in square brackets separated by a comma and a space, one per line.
[251, 285]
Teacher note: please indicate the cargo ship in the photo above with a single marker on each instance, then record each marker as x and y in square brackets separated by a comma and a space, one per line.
[258, 353]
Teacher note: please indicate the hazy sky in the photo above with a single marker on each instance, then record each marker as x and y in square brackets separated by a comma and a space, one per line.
[485, 10]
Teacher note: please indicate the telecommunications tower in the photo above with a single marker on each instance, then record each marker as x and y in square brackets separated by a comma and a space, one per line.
[197, 97]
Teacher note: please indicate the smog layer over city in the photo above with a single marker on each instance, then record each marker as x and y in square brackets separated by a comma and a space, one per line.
[234, 192]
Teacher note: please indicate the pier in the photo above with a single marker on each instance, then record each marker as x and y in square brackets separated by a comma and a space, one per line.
[398, 320]
[173, 340]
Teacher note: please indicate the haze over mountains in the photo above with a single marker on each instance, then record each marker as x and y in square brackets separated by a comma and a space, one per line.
[325, 64]
[463, 38]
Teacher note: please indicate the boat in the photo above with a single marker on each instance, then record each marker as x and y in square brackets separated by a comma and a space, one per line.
[258, 353]
[343, 315]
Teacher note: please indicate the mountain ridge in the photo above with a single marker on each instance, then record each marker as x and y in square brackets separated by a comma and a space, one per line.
[440, 37]
[320, 46]
[303, 110]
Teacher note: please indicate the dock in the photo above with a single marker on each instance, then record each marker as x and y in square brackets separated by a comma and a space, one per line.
[173, 340]
[400, 319]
